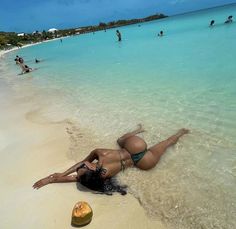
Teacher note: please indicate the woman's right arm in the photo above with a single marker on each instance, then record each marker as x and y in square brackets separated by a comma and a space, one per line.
[90, 158]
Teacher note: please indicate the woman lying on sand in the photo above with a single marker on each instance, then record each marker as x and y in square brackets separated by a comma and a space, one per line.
[97, 169]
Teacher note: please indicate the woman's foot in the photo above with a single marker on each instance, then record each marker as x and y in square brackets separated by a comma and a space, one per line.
[182, 131]
[140, 128]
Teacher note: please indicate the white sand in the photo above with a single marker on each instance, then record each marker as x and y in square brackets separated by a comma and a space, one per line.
[32, 148]
[2, 52]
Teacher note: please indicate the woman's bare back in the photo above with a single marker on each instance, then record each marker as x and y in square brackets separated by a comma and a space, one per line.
[112, 161]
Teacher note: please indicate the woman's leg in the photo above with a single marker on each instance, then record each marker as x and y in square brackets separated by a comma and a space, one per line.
[123, 138]
[159, 149]
[53, 179]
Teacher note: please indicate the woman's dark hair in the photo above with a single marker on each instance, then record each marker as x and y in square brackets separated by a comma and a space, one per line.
[94, 181]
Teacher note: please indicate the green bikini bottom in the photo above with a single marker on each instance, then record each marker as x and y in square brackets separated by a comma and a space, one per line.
[138, 156]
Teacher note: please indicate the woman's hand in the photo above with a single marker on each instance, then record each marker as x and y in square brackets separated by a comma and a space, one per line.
[47, 180]
[43, 182]
[140, 128]
[90, 166]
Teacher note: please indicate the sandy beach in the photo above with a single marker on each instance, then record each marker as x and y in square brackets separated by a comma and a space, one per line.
[89, 90]
[33, 147]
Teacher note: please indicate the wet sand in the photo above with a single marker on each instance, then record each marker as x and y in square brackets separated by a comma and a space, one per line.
[33, 147]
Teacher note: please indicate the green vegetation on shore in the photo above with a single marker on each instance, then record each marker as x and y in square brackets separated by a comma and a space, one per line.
[12, 39]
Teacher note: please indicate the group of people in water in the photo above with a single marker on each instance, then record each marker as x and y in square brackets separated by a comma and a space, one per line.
[228, 20]
[118, 34]
[25, 68]
[161, 33]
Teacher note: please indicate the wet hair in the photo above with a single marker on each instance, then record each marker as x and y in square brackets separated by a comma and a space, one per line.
[94, 181]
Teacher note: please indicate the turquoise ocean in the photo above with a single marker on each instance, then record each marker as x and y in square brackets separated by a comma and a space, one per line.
[187, 78]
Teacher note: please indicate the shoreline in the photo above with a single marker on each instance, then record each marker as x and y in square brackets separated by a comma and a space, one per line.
[33, 147]
[3, 52]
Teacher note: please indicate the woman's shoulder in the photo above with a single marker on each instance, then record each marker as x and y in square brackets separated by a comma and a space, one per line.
[105, 152]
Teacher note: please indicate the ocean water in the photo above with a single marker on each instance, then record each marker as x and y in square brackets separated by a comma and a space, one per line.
[187, 78]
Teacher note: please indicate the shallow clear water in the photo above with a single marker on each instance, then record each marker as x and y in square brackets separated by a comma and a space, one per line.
[184, 79]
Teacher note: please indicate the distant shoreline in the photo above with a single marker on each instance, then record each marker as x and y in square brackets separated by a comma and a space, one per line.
[3, 52]
[9, 39]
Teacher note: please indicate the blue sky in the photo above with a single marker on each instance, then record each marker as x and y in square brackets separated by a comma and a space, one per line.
[30, 15]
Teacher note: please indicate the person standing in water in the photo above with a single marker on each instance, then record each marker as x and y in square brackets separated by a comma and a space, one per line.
[212, 23]
[118, 34]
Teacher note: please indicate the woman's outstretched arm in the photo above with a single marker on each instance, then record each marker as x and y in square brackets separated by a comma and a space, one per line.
[54, 177]
[58, 179]
[51, 179]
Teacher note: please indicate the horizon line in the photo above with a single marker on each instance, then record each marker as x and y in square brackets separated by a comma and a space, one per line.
[202, 9]
[174, 15]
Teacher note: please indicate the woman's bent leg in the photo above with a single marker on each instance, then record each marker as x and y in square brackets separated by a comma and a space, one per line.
[159, 149]
[121, 141]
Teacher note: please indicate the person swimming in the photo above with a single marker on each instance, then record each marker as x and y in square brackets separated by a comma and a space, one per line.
[37, 61]
[160, 34]
[101, 165]
[229, 19]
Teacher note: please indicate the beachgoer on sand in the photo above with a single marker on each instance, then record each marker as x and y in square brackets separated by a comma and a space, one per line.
[97, 170]
[25, 68]
[118, 34]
